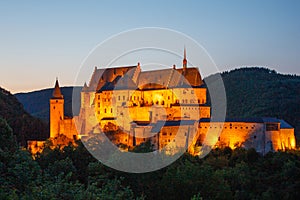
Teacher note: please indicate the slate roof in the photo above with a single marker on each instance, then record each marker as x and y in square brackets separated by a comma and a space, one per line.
[249, 120]
[158, 126]
[56, 92]
[285, 125]
[104, 75]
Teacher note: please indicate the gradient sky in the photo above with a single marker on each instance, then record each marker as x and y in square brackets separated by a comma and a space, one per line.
[40, 40]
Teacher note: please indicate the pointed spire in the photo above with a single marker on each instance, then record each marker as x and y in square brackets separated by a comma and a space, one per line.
[184, 62]
[57, 93]
[85, 87]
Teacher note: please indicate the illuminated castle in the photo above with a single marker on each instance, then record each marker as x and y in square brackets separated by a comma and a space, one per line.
[167, 107]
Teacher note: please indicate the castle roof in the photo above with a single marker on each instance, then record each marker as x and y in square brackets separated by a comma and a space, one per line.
[104, 75]
[156, 79]
[56, 92]
[246, 120]
[285, 125]
[170, 78]
[119, 83]
[160, 124]
[85, 88]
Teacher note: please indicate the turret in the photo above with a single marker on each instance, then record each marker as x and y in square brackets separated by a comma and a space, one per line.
[56, 111]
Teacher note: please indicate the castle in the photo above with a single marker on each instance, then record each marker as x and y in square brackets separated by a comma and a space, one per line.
[166, 107]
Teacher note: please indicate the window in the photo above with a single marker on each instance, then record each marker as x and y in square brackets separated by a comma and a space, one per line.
[119, 98]
[123, 98]
[111, 111]
[272, 127]
[98, 105]
[104, 110]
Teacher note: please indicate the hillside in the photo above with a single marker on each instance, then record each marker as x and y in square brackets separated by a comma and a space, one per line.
[37, 102]
[25, 127]
[258, 92]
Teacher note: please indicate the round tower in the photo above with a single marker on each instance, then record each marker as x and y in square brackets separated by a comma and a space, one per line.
[56, 111]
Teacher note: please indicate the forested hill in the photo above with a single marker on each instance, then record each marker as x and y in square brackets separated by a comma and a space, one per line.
[255, 92]
[37, 102]
[25, 127]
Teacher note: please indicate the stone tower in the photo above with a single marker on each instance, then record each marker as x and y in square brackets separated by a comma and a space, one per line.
[56, 111]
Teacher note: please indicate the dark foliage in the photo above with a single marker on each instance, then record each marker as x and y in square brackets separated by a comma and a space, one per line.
[261, 92]
[25, 127]
[72, 173]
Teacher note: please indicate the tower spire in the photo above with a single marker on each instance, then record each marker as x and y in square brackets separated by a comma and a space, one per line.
[57, 93]
[184, 62]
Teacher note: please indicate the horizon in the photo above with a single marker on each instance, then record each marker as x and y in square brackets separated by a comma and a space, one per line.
[70, 86]
[43, 40]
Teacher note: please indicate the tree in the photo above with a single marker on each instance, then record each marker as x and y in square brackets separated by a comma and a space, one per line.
[7, 139]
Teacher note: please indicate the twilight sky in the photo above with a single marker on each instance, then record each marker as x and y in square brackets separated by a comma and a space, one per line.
[40, 40]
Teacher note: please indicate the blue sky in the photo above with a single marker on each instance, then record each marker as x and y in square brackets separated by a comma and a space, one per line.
[40, 40]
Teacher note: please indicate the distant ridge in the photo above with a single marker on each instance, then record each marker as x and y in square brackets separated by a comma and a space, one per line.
[37, 102]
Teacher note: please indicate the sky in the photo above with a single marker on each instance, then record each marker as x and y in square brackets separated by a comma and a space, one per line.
[42, 40]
